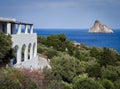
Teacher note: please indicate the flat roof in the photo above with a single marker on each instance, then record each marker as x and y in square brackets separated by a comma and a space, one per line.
[23, 23]
[7, 19]
[13, 20]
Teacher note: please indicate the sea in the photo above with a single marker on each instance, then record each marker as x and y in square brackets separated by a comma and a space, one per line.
[111, 40]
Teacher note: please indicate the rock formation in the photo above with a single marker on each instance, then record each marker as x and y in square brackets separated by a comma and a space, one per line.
[98, 27]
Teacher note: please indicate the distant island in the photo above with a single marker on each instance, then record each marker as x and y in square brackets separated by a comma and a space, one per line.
[98, 27]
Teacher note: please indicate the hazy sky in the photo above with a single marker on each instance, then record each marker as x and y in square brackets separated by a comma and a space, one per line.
[63, 13]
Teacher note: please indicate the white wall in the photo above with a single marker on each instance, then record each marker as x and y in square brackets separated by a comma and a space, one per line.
[25, 39]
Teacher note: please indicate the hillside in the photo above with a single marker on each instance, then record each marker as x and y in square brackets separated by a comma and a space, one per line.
[72, 67]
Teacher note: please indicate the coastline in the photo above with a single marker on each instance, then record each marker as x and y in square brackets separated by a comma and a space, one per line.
[89, 39]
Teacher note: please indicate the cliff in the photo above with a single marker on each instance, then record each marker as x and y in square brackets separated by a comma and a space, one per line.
[98, 27]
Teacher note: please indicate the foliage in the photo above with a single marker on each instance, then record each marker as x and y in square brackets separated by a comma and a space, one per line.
[66, 85]
[107, 84]
[117, 84]
[94, 70]
[110, 72]
[79, 67]
[64, 63]
[14, 79]
[108, 57]
[57, 42]
[5, 44]
[83, 46]
[80, 77]
[36, 76]
[50, 53]
[95, 52]
[87, 83]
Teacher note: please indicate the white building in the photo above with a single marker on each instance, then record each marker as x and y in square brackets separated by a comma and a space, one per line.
[24, 42]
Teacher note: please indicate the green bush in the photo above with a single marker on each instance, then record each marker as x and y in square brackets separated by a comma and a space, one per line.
[107, 84]
[68, 67]
[110, 72]
[6, 45]
[66, 85]
[117, 84]
[13, 79]
[95, 52]
[94, 70]
[50, 53]
[108, 57]
[40, 49]
[87, 83]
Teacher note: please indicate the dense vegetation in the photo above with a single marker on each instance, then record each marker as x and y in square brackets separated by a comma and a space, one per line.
[5, 48]
[72, 67]
[79, 66]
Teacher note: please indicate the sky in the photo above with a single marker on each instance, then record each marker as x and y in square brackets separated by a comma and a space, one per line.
[67, 14]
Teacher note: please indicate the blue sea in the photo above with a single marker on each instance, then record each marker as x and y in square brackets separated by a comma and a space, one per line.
[82, 36]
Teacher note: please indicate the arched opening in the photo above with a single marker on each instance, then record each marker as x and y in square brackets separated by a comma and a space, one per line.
[15, 54]
[23, 53]
[34, 50]
[30, 51]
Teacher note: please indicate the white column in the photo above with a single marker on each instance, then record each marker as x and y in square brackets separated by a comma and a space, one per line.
[26, 29]
[31, 51]
[31, 29]
[8, 28]
[19, 29]
[35, 50]
[26, 54]
[18, 56]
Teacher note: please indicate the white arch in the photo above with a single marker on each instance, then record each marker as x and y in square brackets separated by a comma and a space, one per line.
[18, 54]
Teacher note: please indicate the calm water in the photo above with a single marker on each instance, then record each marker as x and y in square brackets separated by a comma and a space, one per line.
[82, 36]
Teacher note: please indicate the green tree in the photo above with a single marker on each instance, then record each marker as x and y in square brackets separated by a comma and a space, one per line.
[50, 53]
[110, 73]
[108, 57]
[11, 78]
[95, 52]
[117, 84]
[86, 83]
[66, 66]
[94, 70]
[107, 84]
[5, 46]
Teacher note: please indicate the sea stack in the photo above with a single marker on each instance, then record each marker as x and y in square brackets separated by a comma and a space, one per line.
[98, 27]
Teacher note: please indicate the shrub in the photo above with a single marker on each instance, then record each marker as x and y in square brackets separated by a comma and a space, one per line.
[110, 72]
[66, 85]
[107, 84]
[117, 84]
[50, 53]
[13, 79]
[108, 57]
[94, 70]
[66, 66]
[87, 83]
[5, 44]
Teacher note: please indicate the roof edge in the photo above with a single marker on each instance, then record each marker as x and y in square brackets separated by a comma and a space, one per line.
[7, 19]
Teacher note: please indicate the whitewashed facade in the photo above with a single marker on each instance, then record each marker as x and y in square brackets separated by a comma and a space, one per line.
[24, 41]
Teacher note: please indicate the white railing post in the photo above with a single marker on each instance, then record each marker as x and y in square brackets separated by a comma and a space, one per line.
[8, 28]
[31, 29]
[26, 29]
[19, 29]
